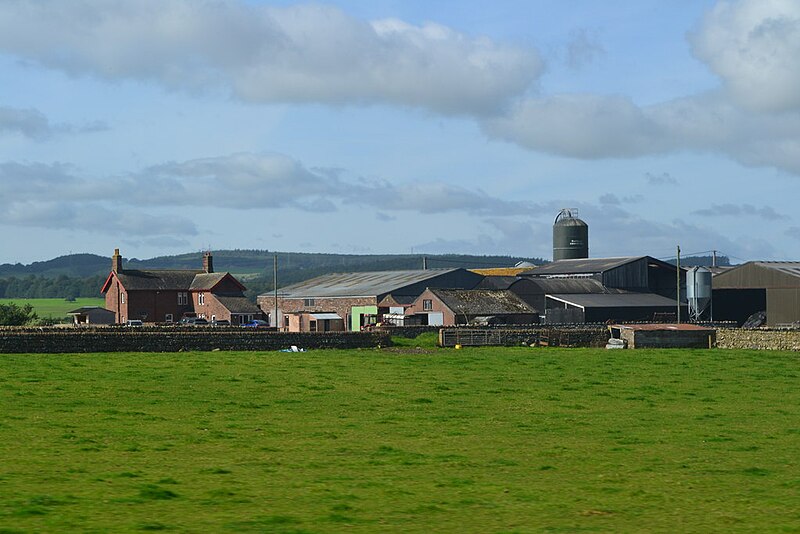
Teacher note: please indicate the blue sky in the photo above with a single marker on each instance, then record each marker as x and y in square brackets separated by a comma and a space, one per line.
[397, 126]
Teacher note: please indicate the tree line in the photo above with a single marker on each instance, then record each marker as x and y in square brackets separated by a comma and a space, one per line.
[41, 287]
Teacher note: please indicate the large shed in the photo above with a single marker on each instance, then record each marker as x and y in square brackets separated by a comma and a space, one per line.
[771, 286]
[643, 274]
[356, 296]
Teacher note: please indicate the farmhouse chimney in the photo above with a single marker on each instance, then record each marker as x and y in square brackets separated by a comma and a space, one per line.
[208, 262]
[116, 261]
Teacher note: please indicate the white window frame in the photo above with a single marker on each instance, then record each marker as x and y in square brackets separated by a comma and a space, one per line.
[201, 299]
[168, 318]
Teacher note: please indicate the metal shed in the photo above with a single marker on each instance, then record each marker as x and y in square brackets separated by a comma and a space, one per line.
[771, 286]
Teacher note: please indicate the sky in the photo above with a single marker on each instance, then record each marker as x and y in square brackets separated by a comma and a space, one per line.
[399, 126]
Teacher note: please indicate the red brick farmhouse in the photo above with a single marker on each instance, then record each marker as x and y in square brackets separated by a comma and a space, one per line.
[164, 296]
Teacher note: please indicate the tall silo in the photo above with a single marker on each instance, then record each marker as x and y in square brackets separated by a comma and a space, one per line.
[570, 236]
[698, 291]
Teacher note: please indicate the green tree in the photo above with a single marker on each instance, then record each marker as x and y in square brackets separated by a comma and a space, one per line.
[14, 315]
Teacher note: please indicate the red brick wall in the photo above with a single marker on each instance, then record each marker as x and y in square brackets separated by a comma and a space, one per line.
[113, 302]
[340, 306]
[449, 318]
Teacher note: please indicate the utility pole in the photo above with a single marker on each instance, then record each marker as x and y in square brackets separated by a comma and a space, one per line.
[275, 286]
[424, 263]
[678, 278]
[713, 258]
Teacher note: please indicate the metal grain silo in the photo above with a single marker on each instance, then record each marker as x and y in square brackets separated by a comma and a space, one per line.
[698, 291]
[570, 236]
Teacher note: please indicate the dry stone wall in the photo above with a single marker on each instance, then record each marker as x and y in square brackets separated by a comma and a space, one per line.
[758, 338]
[175, 340]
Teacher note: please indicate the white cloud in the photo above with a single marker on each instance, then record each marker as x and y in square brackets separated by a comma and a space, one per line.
[27, 122]
[739, 210]
[305, 53]
[595, 127]
[754, 47]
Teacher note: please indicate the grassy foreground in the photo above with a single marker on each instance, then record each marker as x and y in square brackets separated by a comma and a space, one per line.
[55, 308]
[477, 440]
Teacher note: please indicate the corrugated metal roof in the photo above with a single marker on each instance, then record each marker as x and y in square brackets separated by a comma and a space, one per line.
[572, 286]
[787, 267]
[365, 284]
[497, 282]
[581, 266]
[501, 271]
[620, 300]
[323, 316]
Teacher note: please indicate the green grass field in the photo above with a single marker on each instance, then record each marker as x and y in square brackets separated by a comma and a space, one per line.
[55, 308]
[401, 440]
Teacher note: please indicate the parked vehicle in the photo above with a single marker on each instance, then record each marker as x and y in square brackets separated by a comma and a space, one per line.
[193, 321]
[221, 322]
[256, 323]
[134, 322]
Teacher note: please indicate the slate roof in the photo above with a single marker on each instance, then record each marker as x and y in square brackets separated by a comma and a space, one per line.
[482, 301]
[238, 304]
[86, 309]
[620, 300]
[366, 284]
[160, 280]
[206, 281]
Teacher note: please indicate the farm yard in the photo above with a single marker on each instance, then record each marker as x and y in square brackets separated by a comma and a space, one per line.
[401, 439]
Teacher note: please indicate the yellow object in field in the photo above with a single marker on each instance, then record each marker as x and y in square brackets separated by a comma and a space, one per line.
[458, 345]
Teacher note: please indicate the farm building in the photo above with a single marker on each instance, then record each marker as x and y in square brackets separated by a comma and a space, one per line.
[663, 336]
[356, 296]
[449, 307]
[755, 286]
[88, 315]
[167, 295]
[604, 307]
[312, 322]
[643, 274]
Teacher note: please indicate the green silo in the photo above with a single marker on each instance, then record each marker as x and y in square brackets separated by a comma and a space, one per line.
[570, 236]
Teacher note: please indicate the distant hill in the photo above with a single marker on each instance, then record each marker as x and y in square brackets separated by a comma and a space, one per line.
[81, 275]
[257, 262]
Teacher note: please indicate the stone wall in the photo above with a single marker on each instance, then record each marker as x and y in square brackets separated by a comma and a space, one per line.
[758, 338]
[22, 340]
[592, 336]
[409, 332]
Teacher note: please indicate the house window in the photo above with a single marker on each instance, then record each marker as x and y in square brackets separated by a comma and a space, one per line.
[312, 326]
[308, 302]
[427, 305]
[183, 298]
[286, 321]
[201, 299]
[122, 298]
[168, 318]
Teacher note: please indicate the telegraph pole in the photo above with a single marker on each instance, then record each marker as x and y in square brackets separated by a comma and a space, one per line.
[275, 286]
[678, 278]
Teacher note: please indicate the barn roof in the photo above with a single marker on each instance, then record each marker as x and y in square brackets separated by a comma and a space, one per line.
[238, 304]
[590, 265]
[482, 301]
[619, 300]
[366, 284]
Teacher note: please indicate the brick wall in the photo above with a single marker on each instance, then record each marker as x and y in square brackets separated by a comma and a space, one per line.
[758, 338]
[119, 339]
[340, 306]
